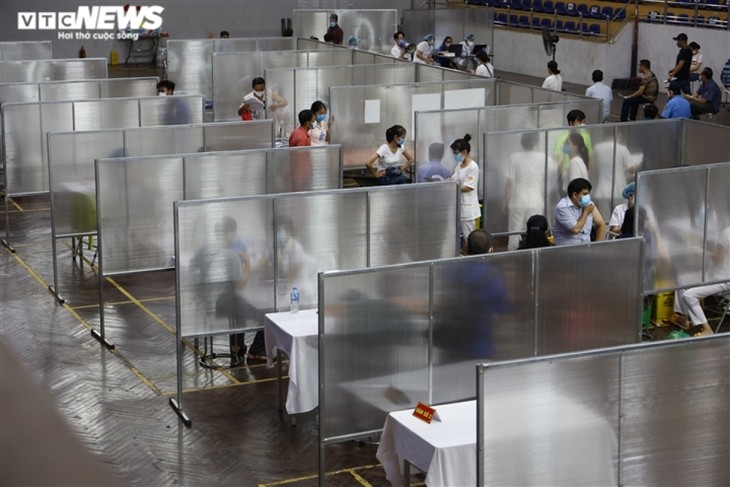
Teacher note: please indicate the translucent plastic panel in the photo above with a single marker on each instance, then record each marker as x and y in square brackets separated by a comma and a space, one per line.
[171, 110]
[144, 239]
[331, 57]
[673, 223]
[237, 136]
[482, 310]
[513, 93]
[234, 44]
[91, 68]
[304, 169]
[16, 51]
[275, 44]
[387, 74]
[442, 127]
[26, 170]
[516, 176]
[315, 234]
[542, 96]
[413, 223]
[427, 73]
[359, 57]
[373, 28]
[25, 71]
[718, 223]
[106, 114]
[18, 92]
[224, 264]
[189, 63]
[359, 136]
[281, 81]
[127, 87]
[695, 146]
[163, 140]
[69, 90]
[217, 175]
[73, 188]
[639, 138]
[609, 165]
[550, 423]
[574, 282]
[373, 348]
[676, 445]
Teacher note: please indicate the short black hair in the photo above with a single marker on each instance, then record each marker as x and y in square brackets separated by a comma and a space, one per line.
[166, 84]
[529, 140]
[577, 185]
[333, 17]
[675, 87]
[646, 63]
[328, 37]
[575, 116]
[258, 80]
[305, 116]
[395, 130]
[225, 33]
[707, 72]
[482, 56]
[553, 67]
[397, 34]
[650, 111]
[597, 76]
[479, 242]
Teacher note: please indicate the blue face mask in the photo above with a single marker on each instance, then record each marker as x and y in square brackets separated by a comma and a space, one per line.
[585, 200]
[320, 118]
[459, 157]
[402, 142]
[333, 24]
[566, 149]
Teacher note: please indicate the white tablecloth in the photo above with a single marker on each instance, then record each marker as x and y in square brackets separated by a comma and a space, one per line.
[296, 336]
[564, 444]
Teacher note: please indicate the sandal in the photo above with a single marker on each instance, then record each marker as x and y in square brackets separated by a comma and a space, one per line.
[679, 320]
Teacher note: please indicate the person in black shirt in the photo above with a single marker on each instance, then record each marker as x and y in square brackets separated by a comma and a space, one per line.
[684, 61]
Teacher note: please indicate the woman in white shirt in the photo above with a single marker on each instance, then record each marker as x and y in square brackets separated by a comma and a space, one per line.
[423, 50]
[320, 133]
[467, 173]
[385, 163]
[695, 67]
[553, 81]
[576, 149]
[484, 67]
[617, 217]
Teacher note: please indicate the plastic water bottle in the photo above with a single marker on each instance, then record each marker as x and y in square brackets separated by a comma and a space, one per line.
[294, 300]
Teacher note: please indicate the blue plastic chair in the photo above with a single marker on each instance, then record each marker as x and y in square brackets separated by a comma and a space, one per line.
[548, 7]
[537, 6]
[595, 29]
[571, 9]
[560, 8]
[524, 22]
[546, 23]
[607, 13]
[570, 27]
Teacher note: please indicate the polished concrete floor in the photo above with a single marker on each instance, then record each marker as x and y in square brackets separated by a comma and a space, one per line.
[116, 401]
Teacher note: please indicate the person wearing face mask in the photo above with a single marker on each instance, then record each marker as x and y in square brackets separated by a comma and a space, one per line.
[575, 215]
[467, 45]
[467, 173]
[320, 133]
[165, 88]
[385, 163]
[680, 71]
[575, 148]
[617, 217]
[399, 48]
[423, 50]
[561, 149]
[335, 30]
[300, 136]
[253, 105]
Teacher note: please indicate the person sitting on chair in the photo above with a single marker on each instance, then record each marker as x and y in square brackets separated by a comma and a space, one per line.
[708, 96]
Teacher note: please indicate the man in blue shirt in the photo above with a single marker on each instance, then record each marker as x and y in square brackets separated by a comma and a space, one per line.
[433, 171]
[575, 215]
[677, 106]
[708, 96]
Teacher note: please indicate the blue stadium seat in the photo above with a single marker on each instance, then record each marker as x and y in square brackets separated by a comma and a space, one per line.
[620, 13]
[536, 23]
[524, 22]
[547, 23]
[501, 19]
[699, 19]
[582, 10]
[526, 4]
[607, 12]
[683, 19]
[560, 25]
[560, 8]
[595, 12]
[571, 9]
[548, 7]
[513, 20]
[570, 27]
[595, 29]
[516, 4]
[537, 6]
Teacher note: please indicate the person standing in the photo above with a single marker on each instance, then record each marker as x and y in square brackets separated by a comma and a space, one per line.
[680, 71]
[320, 133]
[399, 48]
[467, 173]
[601, 91]
[575, 214]
[646, 93]
[335, 30]
[389, 156]
[677, 106]
[694, 68]
[553, 81]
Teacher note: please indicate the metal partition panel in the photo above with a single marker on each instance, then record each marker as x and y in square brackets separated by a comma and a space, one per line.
[373, 28]
[693, 142]
[435, 320]
[171, 110]
[190, 61]
[77, 89]
[109, 114]
[550, 422]
[52, 69]
[600, 417]
[374, 347]
[234, 72]
[141, 230]
[406, 225]
[25, 50]
[25, 71]
[19, 92]
[365, 112]
[676, 445]
[514, 93]
[454, 22]
[224, 253]
[610, 271]
[685, 230]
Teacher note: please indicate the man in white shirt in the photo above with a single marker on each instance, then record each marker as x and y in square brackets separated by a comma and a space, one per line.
[399, 48]
[601, 91]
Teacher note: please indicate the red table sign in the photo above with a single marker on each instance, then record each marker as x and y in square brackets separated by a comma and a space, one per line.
[424, 413]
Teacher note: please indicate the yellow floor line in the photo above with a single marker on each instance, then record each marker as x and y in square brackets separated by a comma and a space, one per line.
[327, 474]
[12, 201]
[32, 210]
[359, 479]
[88, 326]
[117, 303]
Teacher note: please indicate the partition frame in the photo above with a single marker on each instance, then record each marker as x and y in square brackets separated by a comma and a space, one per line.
[100, 82]
[323, 440]
[46, 46]
[177, 404]
[482, 370]
[94, 63]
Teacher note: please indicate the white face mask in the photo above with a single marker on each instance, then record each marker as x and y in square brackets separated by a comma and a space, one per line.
[470, 43]
[260, 94]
